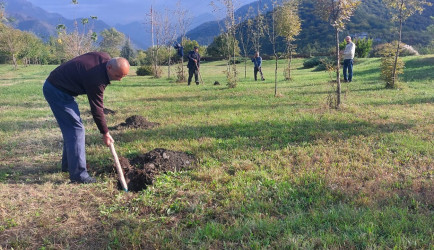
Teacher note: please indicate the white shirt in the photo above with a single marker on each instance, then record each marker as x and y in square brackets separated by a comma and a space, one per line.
[349, 51]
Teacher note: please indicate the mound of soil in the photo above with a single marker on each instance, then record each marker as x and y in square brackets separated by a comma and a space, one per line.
[136, 121]
[142, 170]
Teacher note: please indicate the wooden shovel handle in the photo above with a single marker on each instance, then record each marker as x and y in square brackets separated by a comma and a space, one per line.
[119, 168]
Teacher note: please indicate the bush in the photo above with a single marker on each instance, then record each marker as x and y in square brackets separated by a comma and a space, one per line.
[363, 47]
[385, 48]
[145, 70]
[326, 63]
[312, 62]
[387, 64]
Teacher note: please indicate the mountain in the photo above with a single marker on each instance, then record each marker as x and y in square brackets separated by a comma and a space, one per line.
[27, 17]
[205, 33]
[371, 19]
[137, 32]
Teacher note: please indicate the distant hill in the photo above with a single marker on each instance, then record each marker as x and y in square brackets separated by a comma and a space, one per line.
[205, 33]
[371, 20]
[28, 17]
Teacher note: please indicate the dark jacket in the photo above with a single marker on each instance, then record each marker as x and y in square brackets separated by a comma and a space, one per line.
[257, 61]
[85, 74]
[193, 55]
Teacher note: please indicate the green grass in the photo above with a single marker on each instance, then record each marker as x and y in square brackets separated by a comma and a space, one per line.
[273, 172]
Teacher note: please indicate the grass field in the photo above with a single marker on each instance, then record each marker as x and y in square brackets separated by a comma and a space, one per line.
[272, 172]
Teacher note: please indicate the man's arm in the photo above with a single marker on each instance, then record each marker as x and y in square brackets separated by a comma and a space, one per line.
[95, 97]
[190, 57]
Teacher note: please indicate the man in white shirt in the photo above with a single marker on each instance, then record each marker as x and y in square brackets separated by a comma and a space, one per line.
[348, 54]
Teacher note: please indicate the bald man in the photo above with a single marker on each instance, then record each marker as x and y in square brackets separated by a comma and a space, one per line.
[88, 74]
[349, 52]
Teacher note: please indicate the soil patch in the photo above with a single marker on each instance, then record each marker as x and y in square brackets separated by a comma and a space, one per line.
[136, 121]
[141, 171]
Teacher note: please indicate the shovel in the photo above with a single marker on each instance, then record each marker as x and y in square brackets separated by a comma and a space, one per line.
[118, 168]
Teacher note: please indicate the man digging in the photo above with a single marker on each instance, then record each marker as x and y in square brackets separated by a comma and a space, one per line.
[87, 74]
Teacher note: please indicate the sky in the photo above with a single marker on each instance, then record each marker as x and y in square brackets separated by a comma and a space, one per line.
[124, 11]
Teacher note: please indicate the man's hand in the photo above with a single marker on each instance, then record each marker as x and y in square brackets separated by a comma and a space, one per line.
[107, 138]
[195, 60]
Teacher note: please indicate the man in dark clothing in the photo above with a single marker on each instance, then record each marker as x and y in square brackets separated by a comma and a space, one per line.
[87, 74]
[193, 65]
[257, 61]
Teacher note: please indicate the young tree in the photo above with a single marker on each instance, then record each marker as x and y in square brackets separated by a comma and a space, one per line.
[163, 33]
[127, 52]
[270, 29]
[34, 50]
[77, 42]
[337, 13]
[111, 41]
[288, 26]
[11, 42]
[401, 10]
[183, 24]
[256, 27]
[229, 9]
[244, 40]
[363, 47]
[219, 47]
[74, 43]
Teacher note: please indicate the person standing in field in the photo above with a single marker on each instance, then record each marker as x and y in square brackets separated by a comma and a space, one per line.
[257, 62]
[349, 52]
[88, 74]
[193, 65]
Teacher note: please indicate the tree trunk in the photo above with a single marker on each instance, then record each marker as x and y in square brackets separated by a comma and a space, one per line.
[289, 61]
[275, 75]
[397, 48]
[338, 80]
[245, 66]
[182, 67]
[14, 60]
[168, 65]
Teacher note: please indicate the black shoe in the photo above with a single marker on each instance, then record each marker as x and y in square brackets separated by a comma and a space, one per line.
[345, 80]
[88, 180]
[263, 79]
[197, 83]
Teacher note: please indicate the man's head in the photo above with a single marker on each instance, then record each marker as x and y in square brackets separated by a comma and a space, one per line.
[117, 68]
[196, 48]
[257, 54]
[348, 39]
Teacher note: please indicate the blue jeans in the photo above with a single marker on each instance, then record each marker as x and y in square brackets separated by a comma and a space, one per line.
[65, 110]
[348, 66]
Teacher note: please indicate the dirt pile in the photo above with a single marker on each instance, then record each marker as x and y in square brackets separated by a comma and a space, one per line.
[136, 121]
[142, 170]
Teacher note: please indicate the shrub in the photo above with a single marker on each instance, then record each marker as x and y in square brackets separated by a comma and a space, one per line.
[312, 62]
[325, 64]
[145, 70]
[382, 49]
[387, 63]
[363, 47]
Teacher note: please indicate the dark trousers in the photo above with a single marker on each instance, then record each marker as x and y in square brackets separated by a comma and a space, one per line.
[348, 66]
[255, 72]
[192, 71]
[65, 110]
